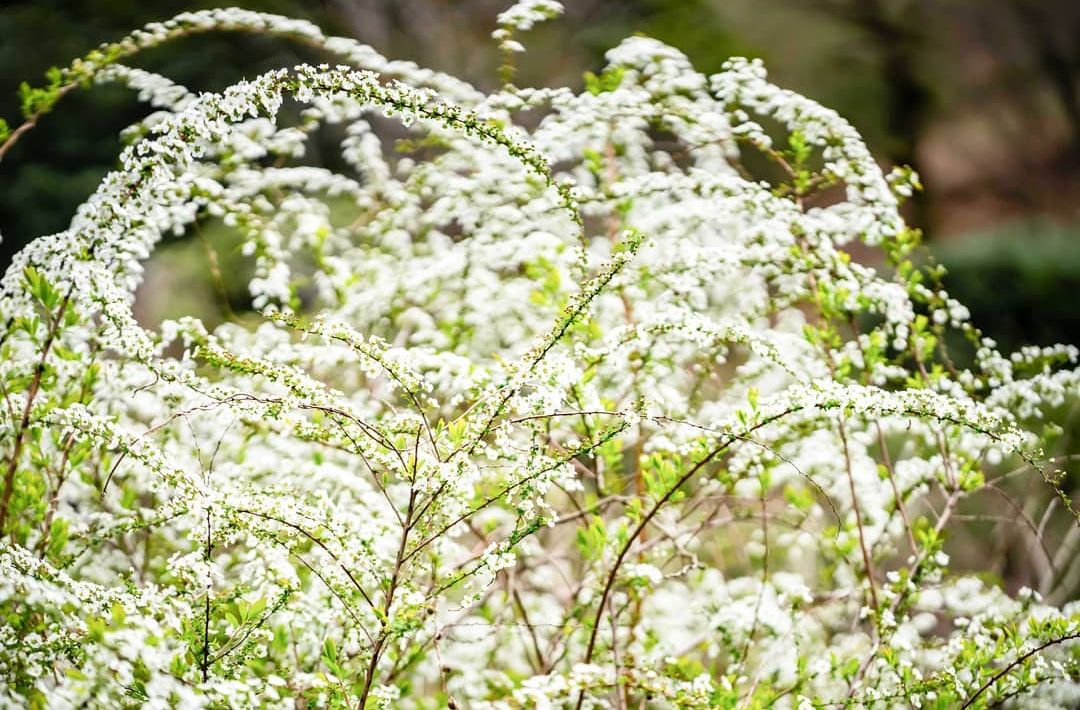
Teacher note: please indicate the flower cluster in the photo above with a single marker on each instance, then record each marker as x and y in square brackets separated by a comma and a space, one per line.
[551, 399]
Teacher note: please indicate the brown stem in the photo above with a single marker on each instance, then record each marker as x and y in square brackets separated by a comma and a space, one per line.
[632, 538]
[895, 488]
[206, 621]
[380, 641]
[541, 664]
[1004, 671]
[30, 122]
[858, 519]
[31, 393]
[946, 514]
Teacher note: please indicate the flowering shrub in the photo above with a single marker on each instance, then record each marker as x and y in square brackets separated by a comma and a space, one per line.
[551, 403]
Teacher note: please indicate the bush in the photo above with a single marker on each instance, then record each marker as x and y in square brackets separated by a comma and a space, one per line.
[576, 416]
[1019, 280]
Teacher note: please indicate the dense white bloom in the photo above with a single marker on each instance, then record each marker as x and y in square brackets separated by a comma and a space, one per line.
[536, 414]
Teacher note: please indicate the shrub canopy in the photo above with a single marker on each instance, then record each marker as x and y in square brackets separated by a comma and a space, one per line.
[554, 399]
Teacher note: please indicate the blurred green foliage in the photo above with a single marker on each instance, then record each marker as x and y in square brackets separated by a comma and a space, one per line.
[57, 165]
[1021, 281]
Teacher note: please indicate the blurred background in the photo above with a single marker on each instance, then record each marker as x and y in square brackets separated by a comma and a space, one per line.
[982, 97]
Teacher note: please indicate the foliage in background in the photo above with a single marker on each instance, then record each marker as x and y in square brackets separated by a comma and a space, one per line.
[1023, 277]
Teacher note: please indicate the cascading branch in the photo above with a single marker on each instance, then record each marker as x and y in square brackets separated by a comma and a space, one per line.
[552, 403]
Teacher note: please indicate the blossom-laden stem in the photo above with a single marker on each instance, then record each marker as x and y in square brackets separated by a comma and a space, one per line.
[1007, 669]
[943, 519]
[633, 537]
[206, 620]
[615, 227]
[61, 476]
[745, 655]
[867, 561]
[897, 493]
[24, 423]
[831, 363]
[886, 459]
[84, 71]
[384, 617]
